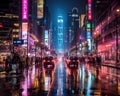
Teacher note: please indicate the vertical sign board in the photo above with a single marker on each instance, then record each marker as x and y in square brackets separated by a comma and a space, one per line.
[40, 9]
[24, 10]
[25, 21]
[82, 17]
[89, 10]
[89, 40]
[89, 44]
[46, 38]
[89, 17]
[24, 33]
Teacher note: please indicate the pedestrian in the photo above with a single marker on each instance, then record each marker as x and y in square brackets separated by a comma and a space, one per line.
[98, 60]
[16, 62]
[8, 63]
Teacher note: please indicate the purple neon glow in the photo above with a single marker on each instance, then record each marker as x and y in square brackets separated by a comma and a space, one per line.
[24, 9]
[24, 86]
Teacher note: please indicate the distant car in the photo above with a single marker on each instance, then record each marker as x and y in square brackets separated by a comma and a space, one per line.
[48, 63]
[73, 62]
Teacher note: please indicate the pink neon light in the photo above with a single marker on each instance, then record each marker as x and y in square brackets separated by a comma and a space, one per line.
[24, 9]
[89, 16]
[89, 1]
[89, 9]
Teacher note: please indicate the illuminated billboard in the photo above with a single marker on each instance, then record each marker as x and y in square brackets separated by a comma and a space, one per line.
[46, 38]
[82, 17]
[24, 33]
[24, 9]
[89, 44]
[40, 9]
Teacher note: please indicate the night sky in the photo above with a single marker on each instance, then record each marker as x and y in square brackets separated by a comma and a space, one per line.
[57, 7]
[66, 5]
[4, 4]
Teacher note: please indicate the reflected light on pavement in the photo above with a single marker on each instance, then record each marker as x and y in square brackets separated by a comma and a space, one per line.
[47, 83]
[89, 84]
[24, 86]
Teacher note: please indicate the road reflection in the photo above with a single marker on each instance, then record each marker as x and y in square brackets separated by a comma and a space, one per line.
[36, 82]
[87, 80]
[72, 79]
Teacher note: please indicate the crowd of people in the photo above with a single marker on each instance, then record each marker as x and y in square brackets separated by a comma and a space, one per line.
[91, 59]
[20, 62]
[13, 61]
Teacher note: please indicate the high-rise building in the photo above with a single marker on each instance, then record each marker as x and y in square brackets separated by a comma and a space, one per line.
[73, 27]
[10, 19]
[107, 26]
[60, 33]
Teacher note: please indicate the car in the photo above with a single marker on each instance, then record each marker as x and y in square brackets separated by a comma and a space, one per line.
[48, 63]
[73, 62]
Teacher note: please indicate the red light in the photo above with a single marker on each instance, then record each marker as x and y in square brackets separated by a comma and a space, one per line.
[1, 26]
[89, 11]
[4, 65]
[43, 61]
[53, 61]
[89, 16]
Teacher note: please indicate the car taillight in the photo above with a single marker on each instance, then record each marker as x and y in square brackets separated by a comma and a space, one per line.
[68, 60]
[48, 60]
[43, 61]
[4, 65]
[53, 61]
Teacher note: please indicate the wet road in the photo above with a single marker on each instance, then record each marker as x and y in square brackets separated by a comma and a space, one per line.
[86, 81]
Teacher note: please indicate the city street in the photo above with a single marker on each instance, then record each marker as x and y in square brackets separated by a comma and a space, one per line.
[86, 81]
[59, 47]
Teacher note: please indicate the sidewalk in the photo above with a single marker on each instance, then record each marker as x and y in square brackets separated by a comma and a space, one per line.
[111, 63]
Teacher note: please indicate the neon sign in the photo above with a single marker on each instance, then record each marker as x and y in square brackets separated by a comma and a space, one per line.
[89, 10]
[40, 8]
[24, 9]
[24, 33]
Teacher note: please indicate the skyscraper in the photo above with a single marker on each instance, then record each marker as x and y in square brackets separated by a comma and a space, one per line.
[60, 30]
[73, 27]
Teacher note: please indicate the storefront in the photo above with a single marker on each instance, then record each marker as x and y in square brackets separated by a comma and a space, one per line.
[108, 50]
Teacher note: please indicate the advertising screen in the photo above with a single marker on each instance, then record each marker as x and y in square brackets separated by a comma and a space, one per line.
[40, 9]
[46, 37]
[24, 33]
